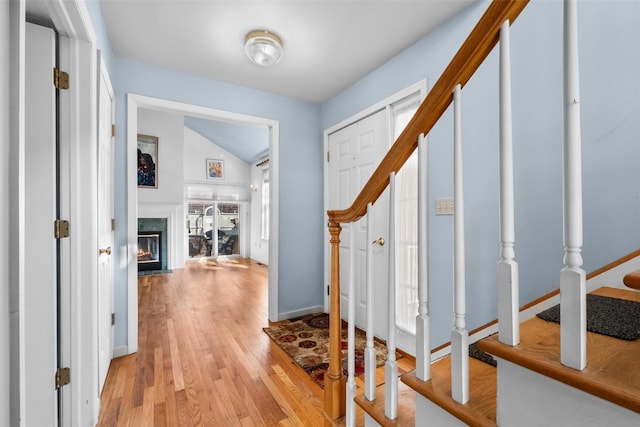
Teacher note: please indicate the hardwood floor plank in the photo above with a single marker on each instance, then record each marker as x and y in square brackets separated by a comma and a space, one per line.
[192, 382]
[178, 380]
[136, 417]
[148, 408]
[224, 406]
[159, 415]
[183, 418]
[121, 376]
[139, 386]
[158, 380]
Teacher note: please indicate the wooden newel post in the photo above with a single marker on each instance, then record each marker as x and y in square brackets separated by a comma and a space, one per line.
[334, 381]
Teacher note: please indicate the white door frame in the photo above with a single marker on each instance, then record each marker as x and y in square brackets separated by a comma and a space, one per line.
[78, 197]
[134, 102]
[8, 102]
[421, 87]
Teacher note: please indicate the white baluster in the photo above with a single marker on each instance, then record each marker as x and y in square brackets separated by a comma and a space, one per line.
[459, 334]
[391, 367]
[370, 352]
[350, 417]
[573, 347]
[508, 288]
[423, 331]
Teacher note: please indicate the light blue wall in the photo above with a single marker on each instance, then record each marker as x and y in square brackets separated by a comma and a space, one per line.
[300, 239]
[301, 216]
[102, 38]
[610, 93]
[610, 131]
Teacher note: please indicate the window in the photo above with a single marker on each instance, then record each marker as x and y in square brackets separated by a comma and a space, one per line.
[265, 204]
[406, 223]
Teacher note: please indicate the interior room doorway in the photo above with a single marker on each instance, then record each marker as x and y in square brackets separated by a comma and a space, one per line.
[136, 102]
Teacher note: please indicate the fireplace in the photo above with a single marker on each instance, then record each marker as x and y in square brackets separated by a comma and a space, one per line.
[149, 250]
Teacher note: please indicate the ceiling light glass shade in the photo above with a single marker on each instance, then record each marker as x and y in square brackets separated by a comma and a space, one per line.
[263, 48]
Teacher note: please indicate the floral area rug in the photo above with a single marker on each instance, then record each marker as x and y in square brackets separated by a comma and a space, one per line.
[306, 341]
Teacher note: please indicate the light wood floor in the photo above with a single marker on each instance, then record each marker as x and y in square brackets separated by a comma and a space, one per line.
[203, 358]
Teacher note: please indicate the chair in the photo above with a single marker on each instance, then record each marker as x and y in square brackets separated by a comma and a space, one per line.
[226, 248]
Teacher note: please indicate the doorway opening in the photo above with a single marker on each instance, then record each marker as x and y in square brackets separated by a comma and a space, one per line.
[134, 104]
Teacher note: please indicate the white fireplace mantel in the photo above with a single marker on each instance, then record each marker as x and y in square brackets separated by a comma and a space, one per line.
[173, 212]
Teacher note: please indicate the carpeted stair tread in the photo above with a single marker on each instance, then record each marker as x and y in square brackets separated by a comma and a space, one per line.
[614, 317]
[480, 410]
[613, 365]
[632, 280]
[482, 356]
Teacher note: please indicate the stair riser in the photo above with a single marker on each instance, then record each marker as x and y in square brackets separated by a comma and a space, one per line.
[428, 413]
[526, 398]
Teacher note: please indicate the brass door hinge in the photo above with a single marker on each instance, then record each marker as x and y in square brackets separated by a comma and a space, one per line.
[60, 79]
[63, 377]
[113, 131]
[113, 319]
[328, 156]
[113, 224]
[60, 228]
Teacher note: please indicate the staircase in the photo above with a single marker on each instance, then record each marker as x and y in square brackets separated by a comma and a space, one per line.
[606, 392]
[602, 394]
[547, 374]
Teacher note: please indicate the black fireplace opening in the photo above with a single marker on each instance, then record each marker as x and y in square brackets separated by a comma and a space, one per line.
[149, 250]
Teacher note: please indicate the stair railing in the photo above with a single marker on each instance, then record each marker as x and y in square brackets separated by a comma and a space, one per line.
[573, 304]
[469, 57]
[459, 333]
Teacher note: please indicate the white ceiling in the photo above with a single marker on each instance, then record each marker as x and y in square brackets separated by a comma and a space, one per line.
[329, 45]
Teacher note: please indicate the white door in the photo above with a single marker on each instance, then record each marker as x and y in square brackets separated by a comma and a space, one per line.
[105, 225]
[354, 153]
[39, 351]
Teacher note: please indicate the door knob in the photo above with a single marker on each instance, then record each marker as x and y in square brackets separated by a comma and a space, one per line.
[379, 241]
[106, 250]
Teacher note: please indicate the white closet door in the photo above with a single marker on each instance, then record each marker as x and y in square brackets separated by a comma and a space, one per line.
[105, 229]
[39, 305]
[355, 152]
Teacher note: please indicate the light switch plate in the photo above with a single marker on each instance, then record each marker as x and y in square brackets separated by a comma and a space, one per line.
[444, 206]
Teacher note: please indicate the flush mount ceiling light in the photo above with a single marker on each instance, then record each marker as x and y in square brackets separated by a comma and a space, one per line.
[263, 48]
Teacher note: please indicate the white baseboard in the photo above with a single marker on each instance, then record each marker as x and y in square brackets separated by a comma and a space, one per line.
[302, 312]
[121, 350]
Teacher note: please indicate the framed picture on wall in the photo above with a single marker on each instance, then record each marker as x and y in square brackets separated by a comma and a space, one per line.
[147, 161]
[215, 169]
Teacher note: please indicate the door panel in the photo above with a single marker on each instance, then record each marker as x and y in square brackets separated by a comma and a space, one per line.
[355, 152]
[39, 304]
[105, 229]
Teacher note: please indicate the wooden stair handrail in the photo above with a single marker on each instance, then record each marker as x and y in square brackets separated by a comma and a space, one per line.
[467, 60]
[470, 56]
